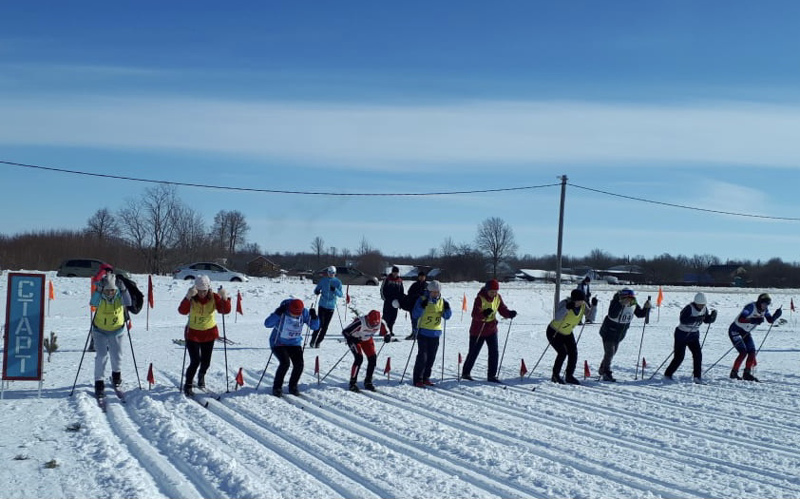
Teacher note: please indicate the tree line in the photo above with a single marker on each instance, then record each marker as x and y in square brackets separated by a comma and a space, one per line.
[157, 232]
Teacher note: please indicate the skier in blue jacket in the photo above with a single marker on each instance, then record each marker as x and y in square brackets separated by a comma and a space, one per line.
[429, 311]
[329, 288]
[286, 341]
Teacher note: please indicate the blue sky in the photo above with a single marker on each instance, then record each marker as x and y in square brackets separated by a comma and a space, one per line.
[690, 103]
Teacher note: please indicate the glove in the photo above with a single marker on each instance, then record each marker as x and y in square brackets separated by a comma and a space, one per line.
[423, 303]
[120, 285]
[487, 312]
[395, 303]
[777, 314]
[512, 314]
[756, 320]
[312, 313]
[280, 310]
[388, 338]
[317, 291]
[223, 294]
[594, 301]
[333, 288]
[712, 316]
[191, 293]
[446, 305]
[647, 305]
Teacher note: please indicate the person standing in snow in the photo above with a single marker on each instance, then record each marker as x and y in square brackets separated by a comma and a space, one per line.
[201, 305]
[392, 294]
[430, 310]
[286, 341]
[569, 313]
[621, 310]
[414, 292]
[584, 286]
[687, 334]
[329, 289]
[488, 303]
[358, 335]
[98, 277]
[740, 334]
[110, 299]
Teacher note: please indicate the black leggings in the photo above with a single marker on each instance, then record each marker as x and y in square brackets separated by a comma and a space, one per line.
[199, 356]
[566, 348]
[325, 316]
[288, 355]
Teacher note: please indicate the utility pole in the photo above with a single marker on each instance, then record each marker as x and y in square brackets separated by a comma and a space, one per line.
[560, 242]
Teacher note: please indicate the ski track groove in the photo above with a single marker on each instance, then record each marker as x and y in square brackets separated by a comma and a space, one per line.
[601, 469]
[706, 433]
[114, 446]
[470, 474]
[720, 466]
[276, 442]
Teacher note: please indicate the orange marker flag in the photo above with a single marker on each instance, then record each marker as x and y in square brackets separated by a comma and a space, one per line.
[388, 368]
[239, 303]
[239, 379]
[464, 303]
[150, 376]
[523, 369]
[51, 294]
[660, 297]
[586, 372]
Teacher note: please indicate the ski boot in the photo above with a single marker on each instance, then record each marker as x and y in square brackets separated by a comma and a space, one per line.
[353, 386]
[557, 379]
[748, 376]
[735, 374]
[99, 389]
[116, 378]
[571, 380]
[201, 381]
[187, 390]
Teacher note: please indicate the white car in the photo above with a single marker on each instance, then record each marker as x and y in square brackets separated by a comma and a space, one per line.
[214, 271]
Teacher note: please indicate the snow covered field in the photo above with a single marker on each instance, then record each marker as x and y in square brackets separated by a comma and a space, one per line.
[635, 438]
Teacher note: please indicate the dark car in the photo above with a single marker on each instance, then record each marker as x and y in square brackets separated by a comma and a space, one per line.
[84, 267]
[348, 275]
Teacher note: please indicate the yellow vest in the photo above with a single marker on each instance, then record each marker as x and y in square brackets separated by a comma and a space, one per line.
[431, 317]
[201, 315]
[110, 315]
[494, 305]
[568, 323]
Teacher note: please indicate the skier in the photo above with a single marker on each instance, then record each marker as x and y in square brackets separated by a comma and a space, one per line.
[587, 292]
[429, 310]
[392, 294]
[414, 292]
[110, 298]
[569, 313]
[201, 304]
[488, 303]
[358, 335]
[329, 288]
[98, 277]
[687, 334]
[740, 331]
[286, 341]
[615, 326]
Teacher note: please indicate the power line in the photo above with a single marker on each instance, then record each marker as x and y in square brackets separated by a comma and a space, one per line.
[272, 191]
[694, 208]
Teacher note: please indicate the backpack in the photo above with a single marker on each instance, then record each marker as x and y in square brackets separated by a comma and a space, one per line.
[137, 298]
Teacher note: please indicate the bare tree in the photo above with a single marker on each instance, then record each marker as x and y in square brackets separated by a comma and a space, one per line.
[149, 224]
[495, 239]
[448, 248]
[318, 247]
[191, 242]
[102, 225]
[229, 230]
[364, 248]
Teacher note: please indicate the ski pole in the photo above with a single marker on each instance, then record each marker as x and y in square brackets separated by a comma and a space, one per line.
[661, 365]
[704, 336]
[337, 363]
[540, 357]
[265, 370]
[444, 343]
[718, 360]
[133, 354]
[225, 350]
[580, 333]
[85, 346]
[505, 343]
[765, 338]
[409, 358]
[639, 356]
[185, 346]
[305, 340]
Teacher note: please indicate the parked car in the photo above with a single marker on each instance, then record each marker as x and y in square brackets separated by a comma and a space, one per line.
[214, 271]
[348, 275]
[84, 267]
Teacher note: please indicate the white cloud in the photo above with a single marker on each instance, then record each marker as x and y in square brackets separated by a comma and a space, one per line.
[392, 137]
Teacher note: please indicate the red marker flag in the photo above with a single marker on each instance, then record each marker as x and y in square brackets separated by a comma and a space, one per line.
[660, 297]
[523, 369]
[239, 379]
[586, 372]
[464, 303]
[347, 295]
[150, 376]
[388, 368]
[644, 364]
[239, 303]
[316, 365]
[791, 304]
[51, 294]
[459, 358]
[150, 300]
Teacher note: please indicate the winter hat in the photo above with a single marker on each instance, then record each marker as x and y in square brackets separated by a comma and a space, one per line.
[700, 299]
[296, 307]
[110, 282]
[435, 286]
[764, 298]
[395, 269]
[331, 270]
[202, 283]
[421, 273]
[626, 293]
[373, 318]
[493, 285]
[577, 295]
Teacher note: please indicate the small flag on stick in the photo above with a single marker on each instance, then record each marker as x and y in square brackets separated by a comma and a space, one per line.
[151, 379]
[238, 305]
[239, 379]
[586, 372]
[660, 297]
[523, 369]
[51, 295]
[388, 369]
